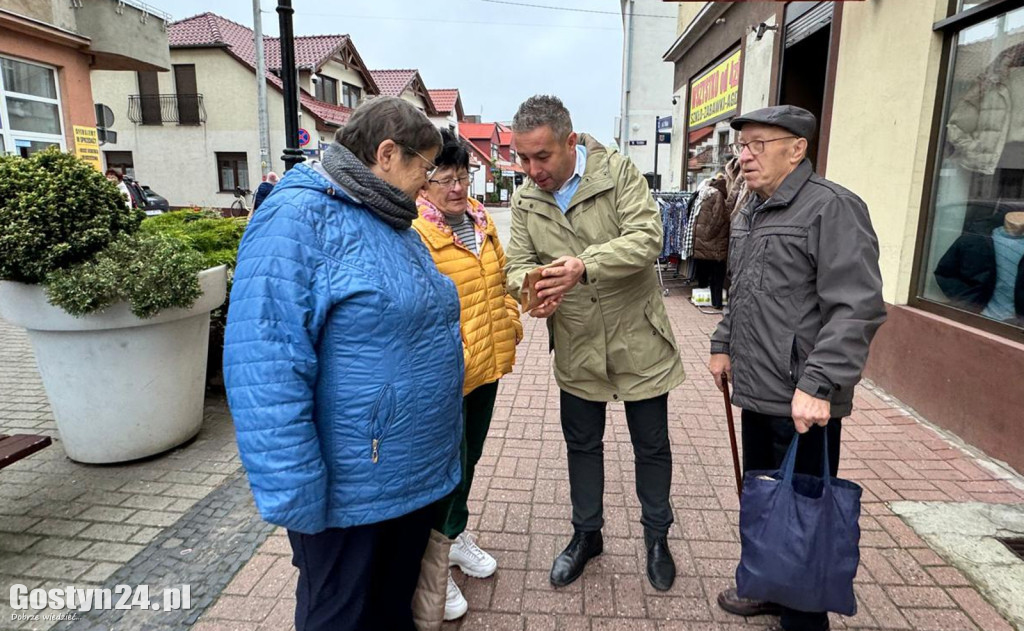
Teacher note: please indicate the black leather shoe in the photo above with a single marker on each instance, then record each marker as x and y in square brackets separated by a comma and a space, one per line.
[569, 565]
[730, 601]
[661, 569]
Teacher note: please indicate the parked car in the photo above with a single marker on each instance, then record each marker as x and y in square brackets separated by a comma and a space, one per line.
[155, 200]
[143, 197]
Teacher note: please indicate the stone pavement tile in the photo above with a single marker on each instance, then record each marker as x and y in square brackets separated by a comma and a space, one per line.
[280, 618]
[17, 543]
[114, 552]
[100, 572]
[939, 620]
[948, 576]
[220, 625]
[58, 527]
[279, 579]
[250, 575]
[242, 609]
[911, 596]
[978, 609]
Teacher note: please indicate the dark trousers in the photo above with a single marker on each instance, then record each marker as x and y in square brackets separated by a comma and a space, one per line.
[583, 427]
[712, 274]
[477, 410]
[765, 441]
[360, 578]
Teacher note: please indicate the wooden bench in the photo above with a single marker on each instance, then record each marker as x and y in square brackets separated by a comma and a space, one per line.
[14, 448]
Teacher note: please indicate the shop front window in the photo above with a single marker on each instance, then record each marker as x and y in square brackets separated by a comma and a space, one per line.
[974, 261]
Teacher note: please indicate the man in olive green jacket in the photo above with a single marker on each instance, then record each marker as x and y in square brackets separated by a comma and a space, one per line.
[588, 214]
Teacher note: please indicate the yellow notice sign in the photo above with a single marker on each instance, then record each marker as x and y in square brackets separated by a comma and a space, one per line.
[87, 146]
[714, 94]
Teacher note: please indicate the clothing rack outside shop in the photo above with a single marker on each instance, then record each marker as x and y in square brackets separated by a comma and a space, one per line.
[674, 269]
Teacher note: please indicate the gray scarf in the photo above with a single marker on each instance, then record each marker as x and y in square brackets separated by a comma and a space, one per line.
[389, 203]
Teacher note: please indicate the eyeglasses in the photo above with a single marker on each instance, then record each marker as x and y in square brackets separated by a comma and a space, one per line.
[449, 182]
[756, 147]
[430, 169]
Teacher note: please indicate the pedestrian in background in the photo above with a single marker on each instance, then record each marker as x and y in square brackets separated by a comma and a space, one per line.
[343, 365]
[263, 190]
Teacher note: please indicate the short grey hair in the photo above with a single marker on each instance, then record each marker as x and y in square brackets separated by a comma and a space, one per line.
[383, 118]
[540, 110]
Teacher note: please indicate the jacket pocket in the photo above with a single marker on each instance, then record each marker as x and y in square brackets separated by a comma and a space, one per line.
[783, 263]
[795, 367]
[381, 419]
[653, 342]
[561, 341]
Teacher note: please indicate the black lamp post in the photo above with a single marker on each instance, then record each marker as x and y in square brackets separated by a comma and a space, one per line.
[289, 79]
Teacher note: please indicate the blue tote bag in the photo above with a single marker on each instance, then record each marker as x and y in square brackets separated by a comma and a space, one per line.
[800, 536]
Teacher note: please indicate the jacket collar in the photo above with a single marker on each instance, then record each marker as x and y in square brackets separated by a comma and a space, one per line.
[439, 236]
[597, 179]
[792, 185]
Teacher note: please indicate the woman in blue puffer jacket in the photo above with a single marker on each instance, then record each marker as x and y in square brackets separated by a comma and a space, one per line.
[343, 364]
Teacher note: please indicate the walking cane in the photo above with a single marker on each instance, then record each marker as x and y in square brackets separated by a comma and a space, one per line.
[732, 436]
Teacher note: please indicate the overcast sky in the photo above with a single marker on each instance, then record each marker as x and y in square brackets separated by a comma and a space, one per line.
[496, 54]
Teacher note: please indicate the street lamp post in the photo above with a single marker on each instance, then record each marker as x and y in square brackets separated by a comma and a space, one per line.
[289, 79]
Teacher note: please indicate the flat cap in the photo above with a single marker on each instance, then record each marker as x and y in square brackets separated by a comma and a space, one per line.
[795, 119]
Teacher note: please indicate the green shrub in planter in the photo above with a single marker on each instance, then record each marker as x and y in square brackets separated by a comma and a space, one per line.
[64, 225]
[56, 211]
[208, 232]
[150, 272]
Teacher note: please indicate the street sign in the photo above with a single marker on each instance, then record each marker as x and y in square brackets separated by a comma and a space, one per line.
[665, 123]
[637, 143]
[303, 137]
[311, 153]
[664, 138]
[508, 173]
[104, 116]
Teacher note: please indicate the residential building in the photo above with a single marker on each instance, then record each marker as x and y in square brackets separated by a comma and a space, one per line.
[897, 88]
[48, 48]
[192, 134]
[649, 26]
[448, 104]
[408, 85]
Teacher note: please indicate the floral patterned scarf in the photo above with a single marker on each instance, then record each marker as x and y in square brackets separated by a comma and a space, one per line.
[474, 209]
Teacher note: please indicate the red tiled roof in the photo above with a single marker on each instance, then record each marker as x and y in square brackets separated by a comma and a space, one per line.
[700, 134]
[505, 138]
[444, 100]
[393, 82]
[212, 30]
[477, 131]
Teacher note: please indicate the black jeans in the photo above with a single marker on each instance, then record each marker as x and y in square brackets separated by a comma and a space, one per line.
[765, 441]
[583, 427]
[360, 578]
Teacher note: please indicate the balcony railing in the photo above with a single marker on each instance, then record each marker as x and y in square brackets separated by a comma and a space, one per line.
[157, 109]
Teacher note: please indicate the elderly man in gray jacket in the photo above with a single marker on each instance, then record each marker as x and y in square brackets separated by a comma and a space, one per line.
[805, 301]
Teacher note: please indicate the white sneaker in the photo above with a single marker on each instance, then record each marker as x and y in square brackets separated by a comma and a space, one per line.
[455, 604]
[470, 558]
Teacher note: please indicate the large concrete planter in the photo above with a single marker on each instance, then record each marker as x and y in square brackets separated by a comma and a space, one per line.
[121, 388]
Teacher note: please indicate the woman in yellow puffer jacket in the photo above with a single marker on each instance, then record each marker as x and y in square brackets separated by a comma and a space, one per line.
[463, 241]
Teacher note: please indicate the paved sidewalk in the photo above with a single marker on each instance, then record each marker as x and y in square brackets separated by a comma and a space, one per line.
[520, 509]
[187, 517]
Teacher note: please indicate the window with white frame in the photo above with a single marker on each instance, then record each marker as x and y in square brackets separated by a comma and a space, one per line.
[30, 112]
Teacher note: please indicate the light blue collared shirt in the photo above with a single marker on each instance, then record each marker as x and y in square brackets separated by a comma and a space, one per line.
[564, 195]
